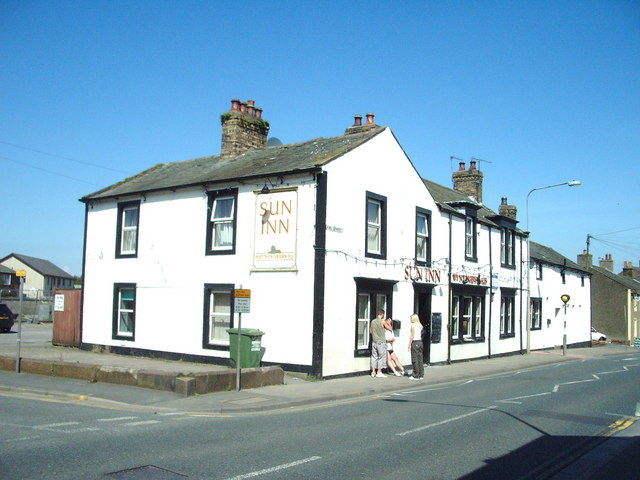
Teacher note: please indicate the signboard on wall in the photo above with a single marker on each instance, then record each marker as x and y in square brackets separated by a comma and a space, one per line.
[275, 235]
[58, 303]
[436, 327]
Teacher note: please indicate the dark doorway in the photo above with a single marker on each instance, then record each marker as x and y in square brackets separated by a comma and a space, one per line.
[422, 306]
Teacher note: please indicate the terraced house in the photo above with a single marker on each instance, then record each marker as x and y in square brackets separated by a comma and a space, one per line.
[322, 232]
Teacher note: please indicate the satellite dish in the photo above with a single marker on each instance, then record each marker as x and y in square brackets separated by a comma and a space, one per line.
[273, 142]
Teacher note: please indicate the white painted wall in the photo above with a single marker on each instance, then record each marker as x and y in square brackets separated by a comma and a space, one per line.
[578, 312]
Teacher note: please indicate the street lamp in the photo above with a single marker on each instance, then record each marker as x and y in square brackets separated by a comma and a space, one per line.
[565, 298]
[572, 183]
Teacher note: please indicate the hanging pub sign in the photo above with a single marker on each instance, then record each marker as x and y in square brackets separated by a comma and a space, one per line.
[276, 215]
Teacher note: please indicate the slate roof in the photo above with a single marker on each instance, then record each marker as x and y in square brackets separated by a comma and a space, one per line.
[623, 280]
[447, 199]
[4, 269]
[43, 267]
[259, 163]
[548, 255]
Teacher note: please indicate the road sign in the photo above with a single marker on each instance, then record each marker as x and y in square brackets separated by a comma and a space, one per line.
[242, 301]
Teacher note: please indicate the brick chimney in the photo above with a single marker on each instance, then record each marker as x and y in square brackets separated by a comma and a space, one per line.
[507, 210]
[607, 262]
[630, 271]
[469, 181]
[243, 129]
[357, 126]
[585, 260]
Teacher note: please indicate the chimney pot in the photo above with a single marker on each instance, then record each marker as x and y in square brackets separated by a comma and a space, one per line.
[370, 119]
[462, 166]
[472, 165]
[259, 113]
[357, 120]
[235, 104]
[504, 201]
[243, 107]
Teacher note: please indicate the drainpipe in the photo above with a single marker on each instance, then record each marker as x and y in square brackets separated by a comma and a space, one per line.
[490, 292]
[521, 295]
[449, 306]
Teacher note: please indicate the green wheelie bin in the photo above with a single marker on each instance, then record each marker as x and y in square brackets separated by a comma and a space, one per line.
[250, 347]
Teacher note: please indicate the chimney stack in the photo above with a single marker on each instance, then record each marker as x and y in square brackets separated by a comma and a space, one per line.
[243, 129]
[630, 271]
[357, 126]
[585, 260]
[506, 210]
[469, 181]
[607, 262]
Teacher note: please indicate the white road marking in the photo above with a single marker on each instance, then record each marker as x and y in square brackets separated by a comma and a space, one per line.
[557, 387]
[54, 425]
[513, 400]
[115, 419]
[443, 422]
[274, 469]
[137, 424]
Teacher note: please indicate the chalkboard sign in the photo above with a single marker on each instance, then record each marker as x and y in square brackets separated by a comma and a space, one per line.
[436, 327]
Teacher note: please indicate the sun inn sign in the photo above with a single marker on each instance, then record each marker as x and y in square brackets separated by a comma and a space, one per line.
[422, 274]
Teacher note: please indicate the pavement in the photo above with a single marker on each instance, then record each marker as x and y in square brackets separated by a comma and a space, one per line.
[613, 455]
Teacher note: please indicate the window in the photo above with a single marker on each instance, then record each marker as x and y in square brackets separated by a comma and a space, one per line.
[372, 295]
[376, 236]
[536, 313]
[507, 251]
[127, 236]
[507, 311]
[467, 317]
[538, 267]
[221, 222]
[218, 315]
[124, 311]
[423, 245]
[470, 226]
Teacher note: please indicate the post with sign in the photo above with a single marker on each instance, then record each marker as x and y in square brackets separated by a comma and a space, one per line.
[241, 304]
[565, 298]
[20, 274]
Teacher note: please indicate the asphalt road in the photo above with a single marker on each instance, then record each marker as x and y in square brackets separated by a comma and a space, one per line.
[519, 426]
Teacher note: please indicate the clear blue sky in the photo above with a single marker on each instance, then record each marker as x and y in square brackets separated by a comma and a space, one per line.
[544, 91]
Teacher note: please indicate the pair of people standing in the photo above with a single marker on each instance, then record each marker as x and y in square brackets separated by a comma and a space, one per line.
[382, 353]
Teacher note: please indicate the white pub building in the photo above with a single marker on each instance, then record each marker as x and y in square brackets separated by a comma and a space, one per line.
[323, 233]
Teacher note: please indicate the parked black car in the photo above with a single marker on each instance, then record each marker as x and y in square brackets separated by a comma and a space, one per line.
[7, 318]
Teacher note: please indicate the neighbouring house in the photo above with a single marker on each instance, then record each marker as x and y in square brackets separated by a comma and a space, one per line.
[615, 300]
[42, 276]
[551, 276]
[323, 233]
[481, 257]
[9, 282]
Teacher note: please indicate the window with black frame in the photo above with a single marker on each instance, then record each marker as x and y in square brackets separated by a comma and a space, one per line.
[467, 317]
[507, 313]
[221, 222]
[371, 296]
[124, 311]
[127, 229]
[536, 313]
[376, 226]
[423, 240]
[218, 315]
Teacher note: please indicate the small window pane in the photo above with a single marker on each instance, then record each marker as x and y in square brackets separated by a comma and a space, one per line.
[219, 316]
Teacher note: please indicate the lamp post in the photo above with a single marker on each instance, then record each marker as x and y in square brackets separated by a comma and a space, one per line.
[572, 183]
[565, 298]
